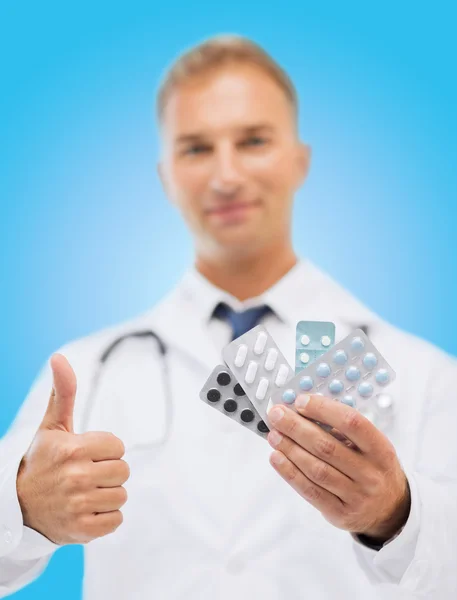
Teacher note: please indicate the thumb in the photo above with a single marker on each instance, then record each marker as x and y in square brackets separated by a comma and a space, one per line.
[59, 414]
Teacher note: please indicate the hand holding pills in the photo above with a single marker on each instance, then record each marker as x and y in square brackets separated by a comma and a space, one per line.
[361, 489]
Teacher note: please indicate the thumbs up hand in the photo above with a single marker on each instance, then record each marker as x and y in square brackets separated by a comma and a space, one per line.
[70, 486]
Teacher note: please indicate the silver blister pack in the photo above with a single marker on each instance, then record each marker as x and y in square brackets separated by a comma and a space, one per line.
[225, 394]
[259, 366]
[352, 372]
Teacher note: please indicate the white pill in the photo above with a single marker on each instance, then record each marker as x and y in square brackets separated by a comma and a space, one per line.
[241, 354]
[251, 372]
[305, 340]
[326, 341]
[282, 375]
[270, 361]
[262, 389]
[260, 343]
[304, 357]
[384, 401]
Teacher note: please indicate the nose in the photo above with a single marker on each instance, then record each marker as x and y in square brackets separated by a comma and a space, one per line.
[227, 177]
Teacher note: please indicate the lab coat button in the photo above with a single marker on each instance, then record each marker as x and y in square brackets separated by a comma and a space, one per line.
[235, 564]
[7, 535]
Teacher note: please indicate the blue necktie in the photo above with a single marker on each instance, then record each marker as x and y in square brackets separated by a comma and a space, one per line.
[241, 321]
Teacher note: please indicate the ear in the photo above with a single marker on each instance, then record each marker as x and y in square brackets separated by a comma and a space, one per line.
[161, 172]
[303, 162]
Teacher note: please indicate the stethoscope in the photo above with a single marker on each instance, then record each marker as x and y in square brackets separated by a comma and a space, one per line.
[168, 397]
[380, 412]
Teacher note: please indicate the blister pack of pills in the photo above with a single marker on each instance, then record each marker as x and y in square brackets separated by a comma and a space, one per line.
[353, 372]
[259, 366]
[312, 340]
[224, 393]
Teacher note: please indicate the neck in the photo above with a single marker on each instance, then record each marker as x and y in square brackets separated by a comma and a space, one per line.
[248, 276]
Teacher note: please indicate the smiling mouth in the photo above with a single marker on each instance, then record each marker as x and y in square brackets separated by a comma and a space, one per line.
[232, 211]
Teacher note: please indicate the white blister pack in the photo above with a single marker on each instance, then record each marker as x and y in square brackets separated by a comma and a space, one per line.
[259, 366]
[312, 340]
[225, 394]
[352, 372]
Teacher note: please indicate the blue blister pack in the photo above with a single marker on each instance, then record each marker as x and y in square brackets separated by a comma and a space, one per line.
[353, 372]
[312, 340]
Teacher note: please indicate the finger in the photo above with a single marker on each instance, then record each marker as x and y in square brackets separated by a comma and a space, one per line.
[321, 499]
[100, 524]
[59, 412]
[110, 473]
[318, 442]
[105, 500]
[347, 420]
[317, 471]
[101, 445]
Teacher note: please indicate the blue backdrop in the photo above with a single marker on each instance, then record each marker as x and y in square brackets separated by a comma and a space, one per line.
[84, 224]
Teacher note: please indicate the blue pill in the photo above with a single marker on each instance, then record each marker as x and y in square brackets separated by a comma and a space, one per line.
[365, 389]
[357, 344]
[370, 360]
[348, 400]
[323, 370]
[382, 376]
[353, 373]
[340, 357]
[336, 386]
[289, 396]
[306, 383]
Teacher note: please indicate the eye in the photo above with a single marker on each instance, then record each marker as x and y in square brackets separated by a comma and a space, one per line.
[254, 140]
[195, 149]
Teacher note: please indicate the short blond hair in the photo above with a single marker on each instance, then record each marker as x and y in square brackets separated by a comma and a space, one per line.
[219, 51]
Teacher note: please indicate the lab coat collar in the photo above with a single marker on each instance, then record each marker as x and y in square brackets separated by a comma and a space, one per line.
[304, 293]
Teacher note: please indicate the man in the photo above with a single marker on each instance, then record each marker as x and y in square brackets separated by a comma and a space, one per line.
[207, 515]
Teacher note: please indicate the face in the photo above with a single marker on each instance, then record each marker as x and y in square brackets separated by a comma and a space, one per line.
[231, 160]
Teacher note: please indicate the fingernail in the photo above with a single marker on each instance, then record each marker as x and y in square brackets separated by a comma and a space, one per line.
[275, 415]
[277, 458]
[274, 437]
[302, 401]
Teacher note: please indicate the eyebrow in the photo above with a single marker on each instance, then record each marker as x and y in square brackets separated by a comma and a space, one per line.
[188, 138]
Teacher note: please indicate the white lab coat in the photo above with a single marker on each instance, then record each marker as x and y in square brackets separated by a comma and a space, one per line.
[207, 516]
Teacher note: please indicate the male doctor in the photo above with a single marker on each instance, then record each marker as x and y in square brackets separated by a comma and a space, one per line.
[213, 511]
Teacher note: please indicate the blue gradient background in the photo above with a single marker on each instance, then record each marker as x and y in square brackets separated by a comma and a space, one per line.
[85, 226]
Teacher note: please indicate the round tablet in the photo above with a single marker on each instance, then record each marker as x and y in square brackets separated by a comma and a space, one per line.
[306, 383]
[262, 427]
[326, 341]
[365, 389]
[304, 357]
[223, 378]
[382, 376]
[289, 396]
[247, 415]
[304, 340]
[336, 386]
[230, 405]
[340, 357]
[370, 360]
[353, 373]
[213, 395]
[348, 400]
[239, 390]
[323, 370]
[384, 401]
[357, 344]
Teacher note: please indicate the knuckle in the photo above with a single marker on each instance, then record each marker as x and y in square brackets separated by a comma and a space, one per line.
[73, 451]
[324, 447]
[118, 443]
[291, 426]
[78, 505]
[291, 472]
[78, 479]
[312, 492]
[123, 496]
[125, 470]
[352, 421]
[320, 472]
